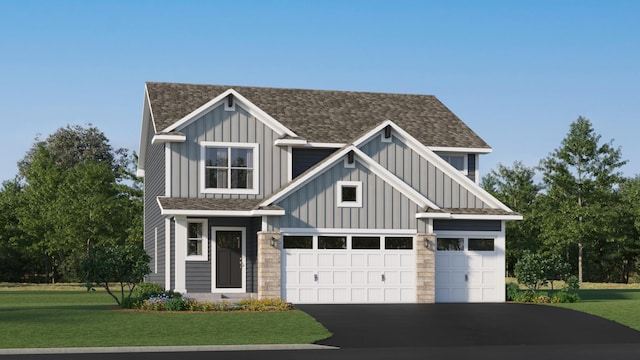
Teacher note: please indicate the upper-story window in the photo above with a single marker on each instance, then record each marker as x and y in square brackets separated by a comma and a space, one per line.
[229, 168]
[458, 161]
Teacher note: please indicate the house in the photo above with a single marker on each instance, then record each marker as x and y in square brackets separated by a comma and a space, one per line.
[317, 196]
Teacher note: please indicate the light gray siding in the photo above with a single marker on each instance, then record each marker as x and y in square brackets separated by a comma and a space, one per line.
[226, 126]
[154, 186]
[421, 174]
[314, 205]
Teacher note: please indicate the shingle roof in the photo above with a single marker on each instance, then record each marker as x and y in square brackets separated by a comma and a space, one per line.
[323, 115]
[213, 204]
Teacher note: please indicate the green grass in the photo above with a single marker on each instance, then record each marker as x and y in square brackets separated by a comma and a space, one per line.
[74, 318]
[621, 305]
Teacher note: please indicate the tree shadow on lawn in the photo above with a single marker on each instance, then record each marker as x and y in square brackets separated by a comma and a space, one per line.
[609, 294]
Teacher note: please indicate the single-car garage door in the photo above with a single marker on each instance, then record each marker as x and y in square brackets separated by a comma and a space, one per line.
[467, 270]
[348, 269]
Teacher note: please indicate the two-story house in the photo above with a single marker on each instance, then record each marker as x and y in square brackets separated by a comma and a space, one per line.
[317, 196]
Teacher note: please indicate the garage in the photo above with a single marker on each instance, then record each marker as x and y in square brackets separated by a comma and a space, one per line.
[468, 268]
[356, 268]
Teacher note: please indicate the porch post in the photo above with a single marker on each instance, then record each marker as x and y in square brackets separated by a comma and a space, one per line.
[269, 265]
[425, 268]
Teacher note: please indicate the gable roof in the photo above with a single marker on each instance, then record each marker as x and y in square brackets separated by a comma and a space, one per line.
[324, 116]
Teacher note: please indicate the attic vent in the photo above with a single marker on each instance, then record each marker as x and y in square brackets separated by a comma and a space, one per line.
[350, 157]
[230, 105]
[387, 132]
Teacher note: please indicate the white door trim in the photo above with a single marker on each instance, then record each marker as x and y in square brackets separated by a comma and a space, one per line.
[214, 288]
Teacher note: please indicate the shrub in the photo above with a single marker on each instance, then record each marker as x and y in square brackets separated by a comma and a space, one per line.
[571, 283]
[525, 296]
[146, 290]
[541, 298]
[269, 304]
[513, 291]
[565, 297]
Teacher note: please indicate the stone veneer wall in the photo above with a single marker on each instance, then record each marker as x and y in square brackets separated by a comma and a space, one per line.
[425, 268]
[269, 268]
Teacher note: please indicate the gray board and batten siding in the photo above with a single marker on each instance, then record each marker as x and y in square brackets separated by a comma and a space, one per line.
[420, 174]
[227, 126]
[314, 204]
[154, 222]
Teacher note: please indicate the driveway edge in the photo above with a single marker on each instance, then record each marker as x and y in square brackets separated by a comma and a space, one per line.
[163, 349]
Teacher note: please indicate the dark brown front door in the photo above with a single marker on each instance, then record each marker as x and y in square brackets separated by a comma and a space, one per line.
[229, 259]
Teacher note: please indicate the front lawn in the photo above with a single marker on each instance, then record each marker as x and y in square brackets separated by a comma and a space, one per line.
[76, 318]
[619, 305]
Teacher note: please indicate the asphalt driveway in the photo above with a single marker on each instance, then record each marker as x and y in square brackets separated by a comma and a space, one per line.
[460, 325]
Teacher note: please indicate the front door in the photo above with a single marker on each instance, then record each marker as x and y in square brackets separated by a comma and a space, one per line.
[229, 264]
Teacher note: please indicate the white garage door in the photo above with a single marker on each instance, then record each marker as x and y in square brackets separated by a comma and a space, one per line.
[467, 270]
[348, 269]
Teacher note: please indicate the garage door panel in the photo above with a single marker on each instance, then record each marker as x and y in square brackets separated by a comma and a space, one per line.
[325, 260]
[374, 277]
[358, 277]
[407, 277]
[358, 260]
[375, 260]
[340, 277]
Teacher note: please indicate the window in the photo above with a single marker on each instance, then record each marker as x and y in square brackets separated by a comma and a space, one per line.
[332, 242]
[457, 161]
[398, 243]
[349, 194]
[481, 245]
[297, 242]
[229, 168]
[450, 244]
[362, 242]
[197, 242]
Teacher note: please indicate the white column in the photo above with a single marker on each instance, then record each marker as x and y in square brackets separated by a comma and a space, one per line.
[167, 254]
[181, 255]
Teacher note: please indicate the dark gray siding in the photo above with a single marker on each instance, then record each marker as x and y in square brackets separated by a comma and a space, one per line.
[198, 278]
[314, 205]
[471, 166]
[154, 184]
[303, 158]
[198, 273]
[421, 174]
[227, 126]
[467, 225]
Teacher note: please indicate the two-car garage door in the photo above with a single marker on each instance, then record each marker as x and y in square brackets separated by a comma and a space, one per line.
[348, 269]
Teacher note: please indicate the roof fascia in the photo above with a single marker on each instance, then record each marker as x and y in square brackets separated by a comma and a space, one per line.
[242, 101]
[290, 142]
[446, 149]
[165, 138]
[147, 116]
[440, 163]
[467, 216]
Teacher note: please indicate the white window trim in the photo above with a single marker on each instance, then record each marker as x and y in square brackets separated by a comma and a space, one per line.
[465, 161]
[205, 241]
[349, 204]
[256, 167]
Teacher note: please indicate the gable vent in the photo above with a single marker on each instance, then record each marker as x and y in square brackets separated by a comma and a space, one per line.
[229, 105]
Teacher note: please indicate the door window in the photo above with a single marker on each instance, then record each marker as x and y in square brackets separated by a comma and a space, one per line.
[450, 244]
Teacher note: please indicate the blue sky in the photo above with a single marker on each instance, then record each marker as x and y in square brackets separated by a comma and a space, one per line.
[517, 72]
